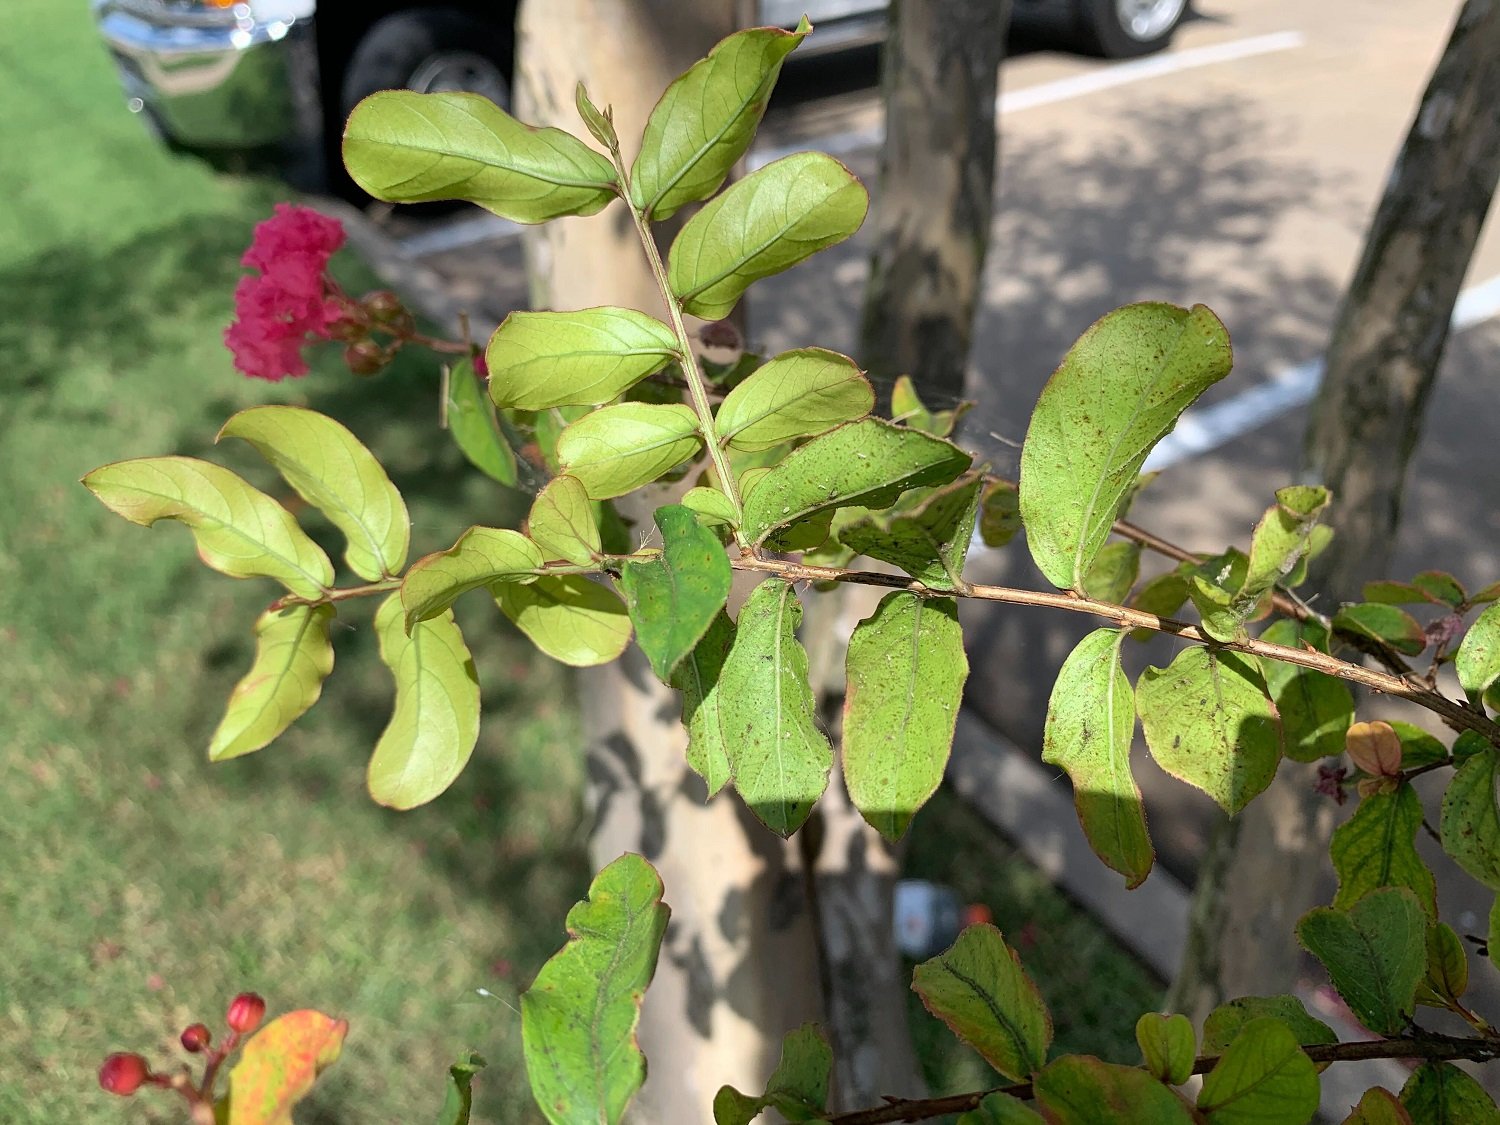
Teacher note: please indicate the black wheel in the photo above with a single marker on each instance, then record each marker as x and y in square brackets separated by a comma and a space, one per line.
[1122, 29]
[431, 50]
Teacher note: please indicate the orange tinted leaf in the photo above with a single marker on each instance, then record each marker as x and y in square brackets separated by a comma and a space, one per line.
[279, 1064]
[1374, 748]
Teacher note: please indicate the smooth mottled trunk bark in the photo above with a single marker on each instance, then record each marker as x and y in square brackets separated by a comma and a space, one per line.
[1384, 354]
[935, 195]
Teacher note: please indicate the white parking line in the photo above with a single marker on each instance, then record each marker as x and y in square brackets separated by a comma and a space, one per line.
[1206, 429]
[490, 228]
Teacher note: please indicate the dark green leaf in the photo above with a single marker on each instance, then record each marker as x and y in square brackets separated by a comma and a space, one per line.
[1447, 967]
[1376, 847]
[707, 118]
[999, 514]
[979, 989]
[1119, 390]
[1090, 720]
[405, 147]
[571, 619]
[1113, 572]
[1375, 953]
[779, 757]
[579, 1016]
[1394, 593]
[1441, 1094]
[1081, 1090]
[458, 1100]
[1316, 708]
[930, 543]
[798, 1089]
[1002, 1109]
[697, 677]
[866, 464]
[1470, 824]
[1262, 1078]
[1441, 587]
[435, 723]
[674, 597]
[1208, 722]
[292, 659]
[1163, 596]
[1387, 624]
[765, 223]
[544, 359]
[1226, 1021]
[1168, 1046]
[906, 668]
[475, 429]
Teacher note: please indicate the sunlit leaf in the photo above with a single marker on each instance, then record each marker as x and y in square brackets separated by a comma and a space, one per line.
[617, 449]
[481, 557]
[1375, 953]
[278, 1066]
[1470, 824]
[697, 677]
[1262, 1077]
[570, 618]
[1090, 720]
[1168, 1046]
[711, 505]
[1376, 847]
[543, 359]
[1477, 661]
[929, 543]
[1386, 624]
[435, 723]
[562, 523]
[292, 659]
[763, 224]
[1378, 1106]
[406, 147]
[793, 395]
[579, 1016]
[1119, 390]
[1082, 1090]
[798, 1088]
[1281, 539]
[674, 597]
[239, 530]
[1441, 1094]
[1226, 1021]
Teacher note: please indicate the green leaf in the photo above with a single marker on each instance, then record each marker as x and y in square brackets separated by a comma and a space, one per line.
[1118, 391]
[1477, 661]
[601, 126]
[571, 619]
[1376, 847]
[1208, 722]
[276, 1069]
[1316, 708]
[458, 1098]
[711, 505]
[1470, 824]
[1090, 720]
[539, 360]
[779, 757]
[1492, 936]
[1378, 1106]
[1081, 1090]
[475, 429]
[292, 659]
[1168, 1046]
[1227, 1020]
[1441, 1094]
[793, 395]
[1394, 593]
[1375, 953]
[697, 677]
[1000, 514]
[617, 449]
[1447, 967]
[562, 523]
[862, 464]
[908, 408]
[1385, 624]
[673, 598]
[906, 668]
[1262, 1079]
[1280, 540]
[435, 724]
[333, 472]
[1162, 596]
[404, 147]
[980, 991]
[706, 119]
[481, 557]
[1002, 1109]
[767, 222]
[798, 1089]
[579, 1016]
[240, 531]
[929, 543]
[1441, 587]
[1113, 572]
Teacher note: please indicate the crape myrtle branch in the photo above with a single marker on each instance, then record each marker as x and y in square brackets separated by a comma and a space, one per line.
[1428, 1047]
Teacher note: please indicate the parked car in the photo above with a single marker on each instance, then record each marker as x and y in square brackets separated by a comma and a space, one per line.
[281, 75]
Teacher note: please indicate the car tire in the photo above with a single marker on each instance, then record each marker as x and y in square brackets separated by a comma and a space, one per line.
[429, 50]
[1123, 29]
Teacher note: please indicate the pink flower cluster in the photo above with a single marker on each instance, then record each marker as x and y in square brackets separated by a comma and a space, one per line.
[290, 302]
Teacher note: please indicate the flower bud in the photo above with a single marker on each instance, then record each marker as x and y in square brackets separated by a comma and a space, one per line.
[124, 1073]
[196, 1038]
[383, 305]
[245, 1012]
[366, 357]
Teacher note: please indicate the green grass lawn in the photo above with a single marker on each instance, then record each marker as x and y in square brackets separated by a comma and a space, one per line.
[141, 887]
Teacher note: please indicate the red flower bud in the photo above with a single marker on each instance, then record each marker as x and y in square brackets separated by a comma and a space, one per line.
[366, 357]
[196, 1038]
[245, 1012]
[124, 1073]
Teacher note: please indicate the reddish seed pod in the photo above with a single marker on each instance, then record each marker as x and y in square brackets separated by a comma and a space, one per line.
[366, 357]
[196, 1038]
[245, 1012]
[124, 1073]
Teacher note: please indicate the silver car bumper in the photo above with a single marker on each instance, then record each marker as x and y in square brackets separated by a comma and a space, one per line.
[241, 84]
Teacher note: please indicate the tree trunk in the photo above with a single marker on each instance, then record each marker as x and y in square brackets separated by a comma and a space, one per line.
[936, 189]
[1382, 360]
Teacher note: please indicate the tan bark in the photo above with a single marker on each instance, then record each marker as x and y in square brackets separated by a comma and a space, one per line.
[1383, 358]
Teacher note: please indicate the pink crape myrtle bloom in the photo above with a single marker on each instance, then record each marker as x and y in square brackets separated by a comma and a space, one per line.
[290, 302]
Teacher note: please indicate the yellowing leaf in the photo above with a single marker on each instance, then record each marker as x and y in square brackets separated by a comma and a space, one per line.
[277, 1067]
[292, 659]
